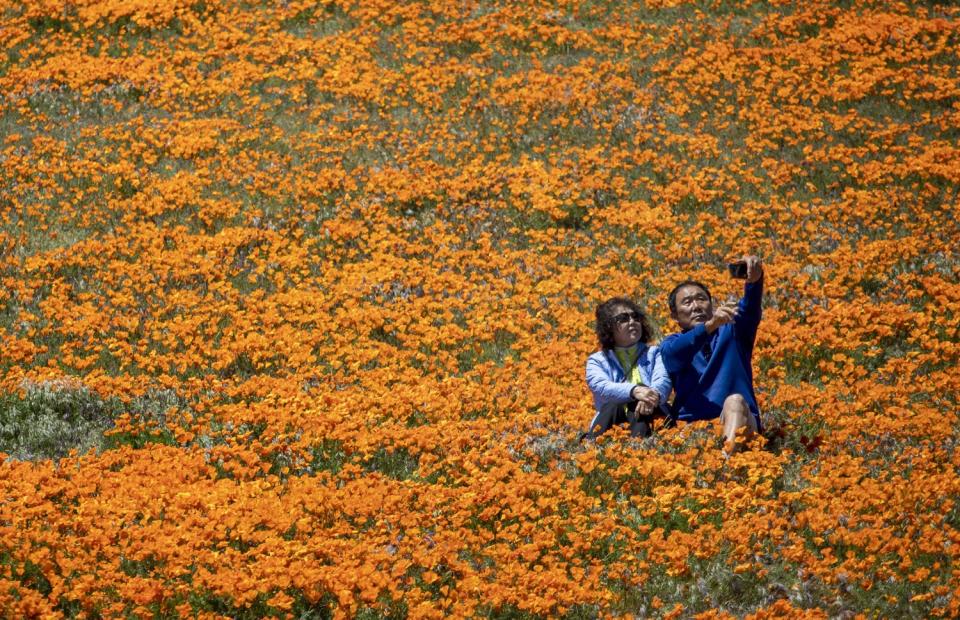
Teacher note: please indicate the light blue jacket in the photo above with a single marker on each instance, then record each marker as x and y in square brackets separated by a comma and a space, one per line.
[607, 380]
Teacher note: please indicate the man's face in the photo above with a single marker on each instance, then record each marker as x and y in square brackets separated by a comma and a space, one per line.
[693, 307]
[627, 329]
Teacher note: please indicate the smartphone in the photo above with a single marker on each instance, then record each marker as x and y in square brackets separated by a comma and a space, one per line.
[738, 269]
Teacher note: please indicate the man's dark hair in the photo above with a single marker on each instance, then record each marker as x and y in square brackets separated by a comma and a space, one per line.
[672, 299]
[606, 324]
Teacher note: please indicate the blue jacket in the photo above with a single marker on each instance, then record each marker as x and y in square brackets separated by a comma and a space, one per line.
[607, 380]
[701, 384]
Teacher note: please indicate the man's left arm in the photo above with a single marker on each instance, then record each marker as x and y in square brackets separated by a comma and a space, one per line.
[750, 309]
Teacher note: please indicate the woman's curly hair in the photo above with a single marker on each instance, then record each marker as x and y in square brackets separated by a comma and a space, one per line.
[605, 323]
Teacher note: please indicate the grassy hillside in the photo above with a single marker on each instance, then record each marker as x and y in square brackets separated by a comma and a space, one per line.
[296, 299]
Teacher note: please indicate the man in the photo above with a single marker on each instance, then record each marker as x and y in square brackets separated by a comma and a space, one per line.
[710, 361]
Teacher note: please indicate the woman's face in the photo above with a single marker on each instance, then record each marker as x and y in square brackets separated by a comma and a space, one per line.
[627, 329]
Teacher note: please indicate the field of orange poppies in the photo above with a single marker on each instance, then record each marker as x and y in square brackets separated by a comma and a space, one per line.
[296, 299]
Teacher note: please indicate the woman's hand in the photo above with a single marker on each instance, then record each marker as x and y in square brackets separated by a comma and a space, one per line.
[647, 399]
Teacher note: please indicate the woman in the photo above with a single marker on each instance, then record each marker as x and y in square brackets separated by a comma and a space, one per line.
[626, 376]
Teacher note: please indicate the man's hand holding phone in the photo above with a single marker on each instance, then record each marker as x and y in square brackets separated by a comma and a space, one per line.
[749, 268]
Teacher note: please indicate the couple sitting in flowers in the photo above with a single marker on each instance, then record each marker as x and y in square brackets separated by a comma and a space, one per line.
[707, 365]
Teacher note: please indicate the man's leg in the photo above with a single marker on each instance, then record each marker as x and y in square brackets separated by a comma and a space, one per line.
[735, 415]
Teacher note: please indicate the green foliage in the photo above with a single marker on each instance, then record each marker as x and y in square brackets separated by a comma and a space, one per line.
[49, 420]
[799, 432]
[496, 351]
[512, 612]
[396, 463]
[154, 416]
[328, 456]
[26, 573]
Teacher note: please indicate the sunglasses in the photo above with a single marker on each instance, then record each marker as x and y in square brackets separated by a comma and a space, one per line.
[625, 317]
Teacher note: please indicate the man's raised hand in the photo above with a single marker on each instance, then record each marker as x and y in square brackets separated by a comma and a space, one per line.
[754, 268]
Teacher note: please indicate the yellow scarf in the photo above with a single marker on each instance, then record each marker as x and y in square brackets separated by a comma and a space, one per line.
[628, 361]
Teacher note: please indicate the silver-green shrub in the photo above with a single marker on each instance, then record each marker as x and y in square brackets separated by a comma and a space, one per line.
[49, 419]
